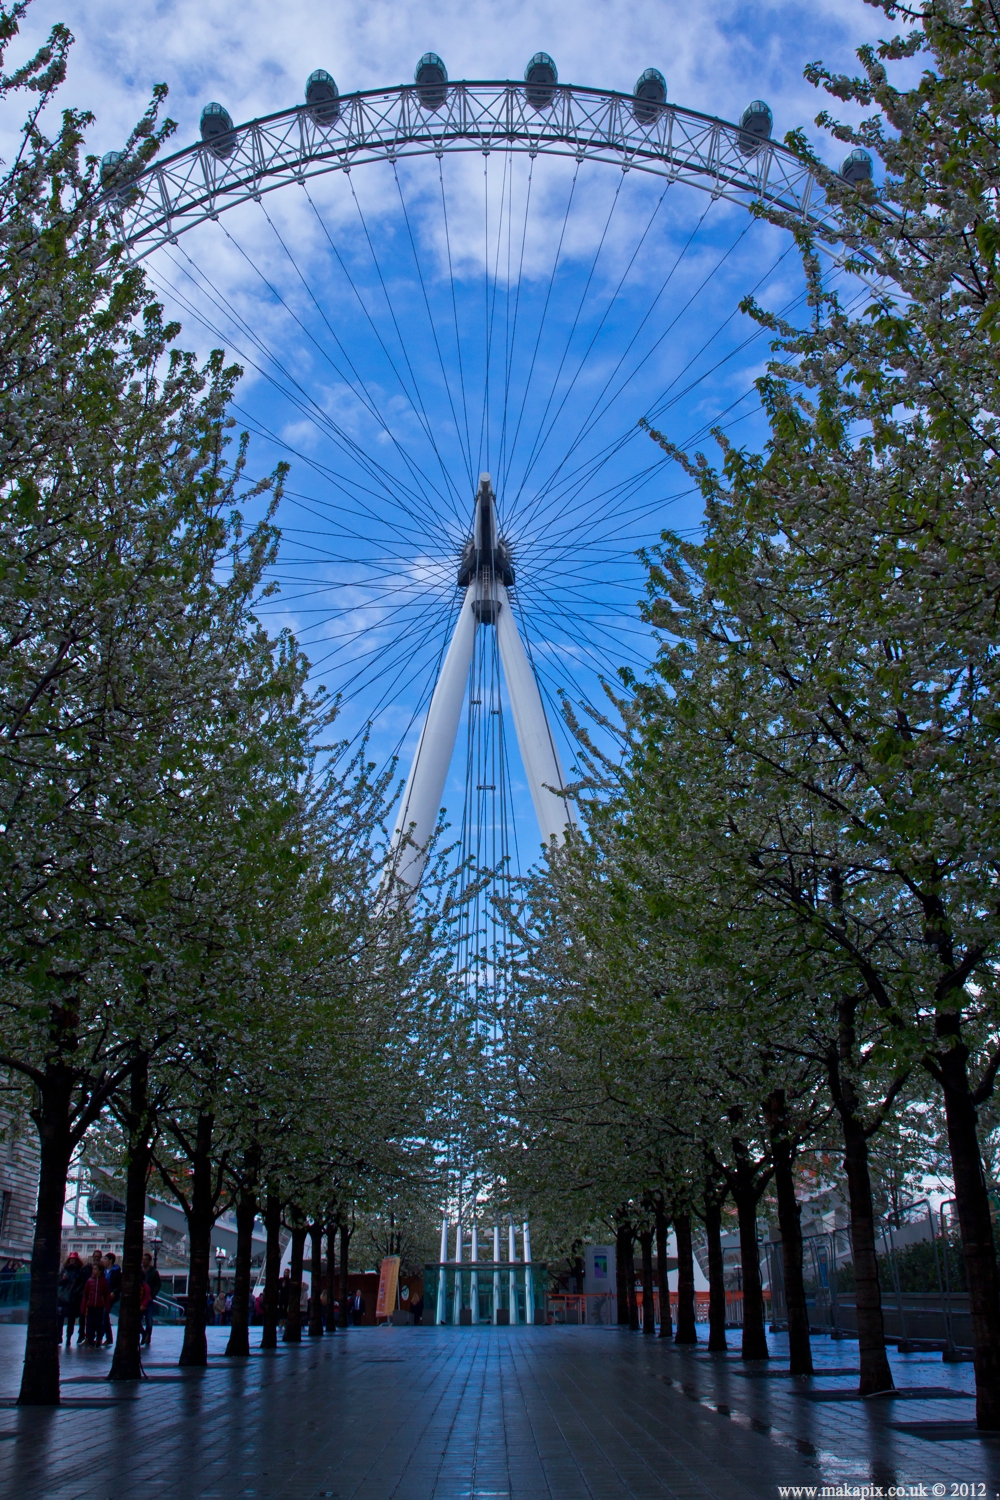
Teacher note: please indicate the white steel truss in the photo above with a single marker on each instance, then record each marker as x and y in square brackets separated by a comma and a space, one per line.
[486, 574]
[586, 124]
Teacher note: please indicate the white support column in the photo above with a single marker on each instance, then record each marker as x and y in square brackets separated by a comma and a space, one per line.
[539, 755]
[442, 1303]
[529, 1280]
[425, 785]
[474, 1279]
[512, 1257]
[496, 1273]
[457, 1302]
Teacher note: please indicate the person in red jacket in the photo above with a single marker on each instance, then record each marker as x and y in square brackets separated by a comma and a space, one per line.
[95, 1300]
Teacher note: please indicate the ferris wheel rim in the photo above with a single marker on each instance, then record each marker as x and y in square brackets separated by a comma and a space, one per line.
[196, 184]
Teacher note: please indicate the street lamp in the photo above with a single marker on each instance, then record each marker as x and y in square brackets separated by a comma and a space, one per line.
[156, 1242]
[220, 1261]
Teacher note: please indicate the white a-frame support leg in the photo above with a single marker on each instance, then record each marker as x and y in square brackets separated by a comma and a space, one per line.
[485, 567]
[418, 812]
[539, 755]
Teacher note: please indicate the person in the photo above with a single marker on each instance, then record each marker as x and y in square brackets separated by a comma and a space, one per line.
[113, 1272]
[358, 1308]
[95, 1300]
[72, 1279]
[145, 1306]
[284, 1286]
[219, 1308]
[258, 1308]
[417, 1308]
[153, 1280]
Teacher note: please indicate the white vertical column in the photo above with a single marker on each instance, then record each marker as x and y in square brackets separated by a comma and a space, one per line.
[529, 1280]
[512, 1257]
[539, 755]
[474, 1279]
[425, 785]
[496, 1272]
[442, 1303]
[457, 1302]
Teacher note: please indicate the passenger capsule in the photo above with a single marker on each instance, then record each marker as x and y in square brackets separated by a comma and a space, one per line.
[857, 167]
[650, 96]
[217, 130]
[755, 127]
[322, 98]
[127, 193]
[541, 77]
[431, 78]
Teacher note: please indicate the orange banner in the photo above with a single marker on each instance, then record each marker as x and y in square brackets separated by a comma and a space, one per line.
[388, 1281]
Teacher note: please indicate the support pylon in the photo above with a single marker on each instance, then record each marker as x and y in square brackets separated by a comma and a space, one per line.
[485, 572]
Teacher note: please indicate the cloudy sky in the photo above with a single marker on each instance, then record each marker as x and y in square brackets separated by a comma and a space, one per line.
[254, 56]
[341, 319]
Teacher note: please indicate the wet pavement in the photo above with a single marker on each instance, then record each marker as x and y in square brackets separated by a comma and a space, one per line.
[489, 1414]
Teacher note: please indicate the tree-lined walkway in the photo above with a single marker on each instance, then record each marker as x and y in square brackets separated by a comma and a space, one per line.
[426, 1414]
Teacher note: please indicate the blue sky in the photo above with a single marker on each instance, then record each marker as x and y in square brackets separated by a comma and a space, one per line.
[341, 303]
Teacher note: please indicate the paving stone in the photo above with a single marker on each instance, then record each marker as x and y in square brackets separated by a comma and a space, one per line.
[482, 1414]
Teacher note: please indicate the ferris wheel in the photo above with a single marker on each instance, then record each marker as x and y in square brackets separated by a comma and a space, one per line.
[453, 301]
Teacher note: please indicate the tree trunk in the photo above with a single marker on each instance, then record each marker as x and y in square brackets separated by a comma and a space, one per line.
[648, 1304]
[754, 1345]
[316, 1282]
[662, 1274]
[40, 1376]
[790, 1223]
[976, 1225]
[293, 1318]
[126, 1363]
[239, 1322]
[687, 1332]
[633, 1301]
[345, 1250]
[716, 1278]
[331, 1274]
[272, 1270]
[875, 1372]
[623, 1255]
[200, 1218]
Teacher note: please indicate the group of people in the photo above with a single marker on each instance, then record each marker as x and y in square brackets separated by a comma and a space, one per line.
[90, 1292]
[330, 1309]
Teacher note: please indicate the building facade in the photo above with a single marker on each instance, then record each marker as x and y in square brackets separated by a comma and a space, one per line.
[18, 1185]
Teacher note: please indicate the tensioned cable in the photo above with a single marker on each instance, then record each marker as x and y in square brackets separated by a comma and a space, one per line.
[541, 325]
[454, 307]
[587, 471]
[510, 326]
[434, 333]
[675, 265]
[435, 524]
[618, 444]
[306, 405]
[591, 419]
[395, 323]
[366, 400]
[539, 439]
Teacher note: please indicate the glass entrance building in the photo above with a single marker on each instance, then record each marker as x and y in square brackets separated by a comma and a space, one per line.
[505, 1293]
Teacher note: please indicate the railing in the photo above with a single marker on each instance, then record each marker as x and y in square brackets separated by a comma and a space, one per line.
[600, 1308]
[167, 1310]
[15, 1287]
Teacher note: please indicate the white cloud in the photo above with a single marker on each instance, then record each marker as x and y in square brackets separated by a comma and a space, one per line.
[254, 57]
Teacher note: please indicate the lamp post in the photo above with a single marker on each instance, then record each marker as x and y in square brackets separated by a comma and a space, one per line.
[220, 1261]
[156, 1242]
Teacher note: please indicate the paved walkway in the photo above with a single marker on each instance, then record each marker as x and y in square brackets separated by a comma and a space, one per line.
[486, 1414]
